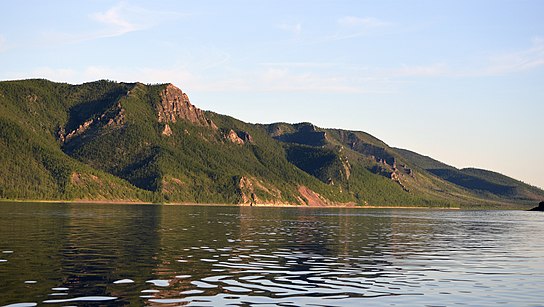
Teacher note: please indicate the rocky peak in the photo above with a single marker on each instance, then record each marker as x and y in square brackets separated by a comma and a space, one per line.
[175, 105]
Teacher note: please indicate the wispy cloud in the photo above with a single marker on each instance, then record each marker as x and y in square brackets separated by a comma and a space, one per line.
[367, 22]
[320, 77]
[120, 19]
[260, 80]
[282, 79]
[518, 61]
[350, 27]
[117, 20]
[497, 64]
[50, 73]
[432, 70]
[300, 64]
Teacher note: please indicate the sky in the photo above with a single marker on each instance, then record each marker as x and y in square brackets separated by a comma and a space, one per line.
[461, 81]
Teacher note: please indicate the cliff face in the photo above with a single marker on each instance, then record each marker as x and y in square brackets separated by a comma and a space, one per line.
[175, 105]
[114, 117]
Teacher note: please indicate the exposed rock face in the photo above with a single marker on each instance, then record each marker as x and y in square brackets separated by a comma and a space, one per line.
[245, 136]
[234, 138]
[32, 98]
[175, 105]
[170, 185]
[167, 131]
[408, 171]
[386, 163]
[248, 188]
[313, 199]
[345, 163]
[80, 179]
[111, 118]
[379, 154]
[239, 138]
[247, 191]
[395, 176]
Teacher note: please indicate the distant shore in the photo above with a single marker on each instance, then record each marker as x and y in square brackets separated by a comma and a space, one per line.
[64, 201]
[283, 205]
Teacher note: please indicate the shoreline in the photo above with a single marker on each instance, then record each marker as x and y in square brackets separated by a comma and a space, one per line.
[133, 202]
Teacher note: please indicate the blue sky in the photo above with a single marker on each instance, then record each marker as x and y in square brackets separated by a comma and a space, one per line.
[461, 81]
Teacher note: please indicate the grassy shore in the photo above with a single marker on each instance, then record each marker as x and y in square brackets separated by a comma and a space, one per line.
[276, 205]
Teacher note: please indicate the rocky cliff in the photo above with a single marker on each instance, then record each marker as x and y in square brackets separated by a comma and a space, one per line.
[175, 105]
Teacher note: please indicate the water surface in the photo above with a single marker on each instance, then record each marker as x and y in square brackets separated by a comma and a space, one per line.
[115, 255]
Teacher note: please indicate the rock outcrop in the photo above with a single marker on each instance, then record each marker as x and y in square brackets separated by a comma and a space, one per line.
[174, 105]
[313, 199]
[170, 185]
[233, 137]
[396, 176]
[167, 131]
[246, 137]
[239, 138]
[114, 117]
[345, 163]
[247, 191]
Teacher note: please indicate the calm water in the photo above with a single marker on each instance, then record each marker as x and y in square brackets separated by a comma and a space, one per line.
[114, 255]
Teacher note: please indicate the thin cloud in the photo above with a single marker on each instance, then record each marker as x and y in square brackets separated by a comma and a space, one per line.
[300, 64]
[433, 70]
[367, 22]
[117, 20]
[519, 61]
[281, 79]
[350, 27]
[498, 64]
[50, 73]
[270, 79]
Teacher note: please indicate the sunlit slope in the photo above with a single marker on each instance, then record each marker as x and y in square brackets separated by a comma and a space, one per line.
[131, 141]
[484, 183]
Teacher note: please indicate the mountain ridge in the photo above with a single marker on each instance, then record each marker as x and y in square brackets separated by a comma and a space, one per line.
[108, 140]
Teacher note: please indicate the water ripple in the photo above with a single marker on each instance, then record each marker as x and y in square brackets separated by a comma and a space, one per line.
[82, 299]
[245, 256]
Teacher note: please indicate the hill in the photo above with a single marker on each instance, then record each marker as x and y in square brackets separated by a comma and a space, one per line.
[106, 140]
[486, 183]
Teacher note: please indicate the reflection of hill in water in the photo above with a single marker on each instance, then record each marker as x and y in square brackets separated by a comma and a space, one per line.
[108, 243]
[266, 252]
[35, 240]
[245, 255]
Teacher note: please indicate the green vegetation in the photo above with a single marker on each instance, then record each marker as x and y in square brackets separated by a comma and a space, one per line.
[487, 184]
[103, 141]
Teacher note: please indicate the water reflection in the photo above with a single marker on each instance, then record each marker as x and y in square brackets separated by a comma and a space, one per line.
[100, 255]
[104, 244]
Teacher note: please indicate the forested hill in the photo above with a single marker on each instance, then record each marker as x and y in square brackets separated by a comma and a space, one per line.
[106, 140]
